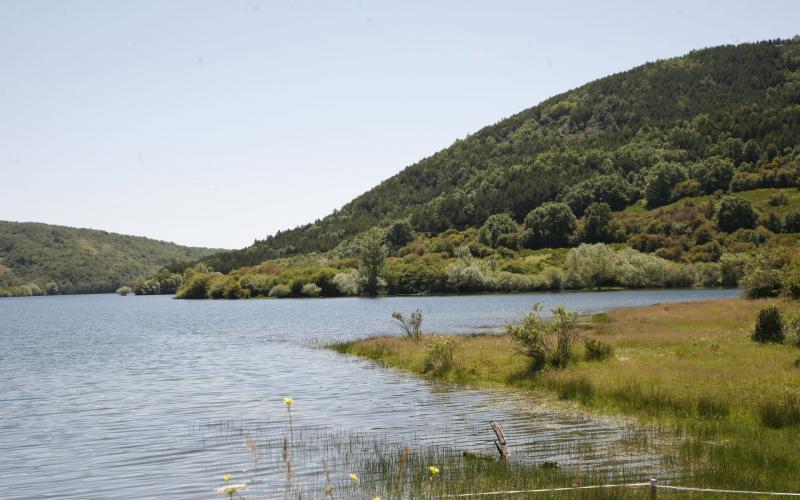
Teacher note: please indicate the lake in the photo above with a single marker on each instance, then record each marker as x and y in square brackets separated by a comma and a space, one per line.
[131, 397]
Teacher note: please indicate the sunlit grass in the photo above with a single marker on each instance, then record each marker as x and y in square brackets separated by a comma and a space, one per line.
[690, 367]
[351, 465]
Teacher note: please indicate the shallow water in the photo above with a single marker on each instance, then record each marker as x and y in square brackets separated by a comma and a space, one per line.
[107, 396]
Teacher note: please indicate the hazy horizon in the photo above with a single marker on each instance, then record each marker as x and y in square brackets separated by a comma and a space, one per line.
[213, 124]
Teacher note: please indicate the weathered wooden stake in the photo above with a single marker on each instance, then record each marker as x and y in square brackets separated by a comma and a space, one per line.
[501, 440]
[653, 489]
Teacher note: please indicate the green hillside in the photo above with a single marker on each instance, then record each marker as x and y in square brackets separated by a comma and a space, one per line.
[41, 258]
[715, 119]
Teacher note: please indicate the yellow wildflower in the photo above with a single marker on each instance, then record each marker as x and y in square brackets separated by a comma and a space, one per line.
[434, 470]
[288, 401]
[226, 478]
[354, 477]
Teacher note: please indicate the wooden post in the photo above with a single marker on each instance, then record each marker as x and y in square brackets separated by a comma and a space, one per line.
[653, 489]
[501, 440]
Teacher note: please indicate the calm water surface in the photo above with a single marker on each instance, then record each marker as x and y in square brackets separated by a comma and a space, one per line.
[105, 396]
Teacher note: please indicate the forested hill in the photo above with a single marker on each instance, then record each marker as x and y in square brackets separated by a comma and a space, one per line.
[599, 142]
[40, 258]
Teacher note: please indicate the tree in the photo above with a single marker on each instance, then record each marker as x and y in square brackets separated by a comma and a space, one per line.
[373, 259]
[550, 225]
[611, 189]
[660, 182]
[597, 223]
[399, 234]
[735, 213]
[713, 173]
[495, 227]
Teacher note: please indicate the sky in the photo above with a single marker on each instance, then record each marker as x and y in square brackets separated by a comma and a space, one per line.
[213, 123]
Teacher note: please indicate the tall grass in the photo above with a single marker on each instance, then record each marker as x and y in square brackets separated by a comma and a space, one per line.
[323, 461]
[692, 369]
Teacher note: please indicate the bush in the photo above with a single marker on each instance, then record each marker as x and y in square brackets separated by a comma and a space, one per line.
[790, 280]
[280, 291]
[233, 290]
[732, 268]
[735, 213]
[197, 286]
[124, 290]
[596, 350]
[769, 325]
[310, 290]
[348, 282]
[413, 326]
[536, 337]
[594, 265]
[439, 353]
[634, 269]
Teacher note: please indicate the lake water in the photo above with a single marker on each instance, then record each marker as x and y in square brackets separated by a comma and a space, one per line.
[132, 397]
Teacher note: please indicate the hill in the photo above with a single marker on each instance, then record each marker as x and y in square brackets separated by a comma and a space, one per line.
[733, 111]
[44, 258]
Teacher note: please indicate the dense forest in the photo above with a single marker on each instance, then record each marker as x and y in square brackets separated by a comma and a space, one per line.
[38, 259]
[715, 119]
[677, 173]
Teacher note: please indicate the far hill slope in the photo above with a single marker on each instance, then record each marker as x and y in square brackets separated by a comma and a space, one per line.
[81, 260]
[599, 142]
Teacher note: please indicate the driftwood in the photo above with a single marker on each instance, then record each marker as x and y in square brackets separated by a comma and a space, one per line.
[501, 440]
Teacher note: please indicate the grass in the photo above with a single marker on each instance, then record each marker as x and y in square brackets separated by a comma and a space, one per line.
[322, 461]
[691, 368]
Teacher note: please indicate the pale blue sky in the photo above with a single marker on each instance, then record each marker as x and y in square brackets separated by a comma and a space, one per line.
[214, 123]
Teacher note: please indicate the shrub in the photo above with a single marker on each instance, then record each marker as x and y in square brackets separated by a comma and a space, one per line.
[413, 326]
[535, 336]
[532, 337]
[735, 213]
[124, 290]
[791, 223]
[310, 290]
[769, 325]
[634, 269]
[732, 268]
[564, 325]
[439, 353]
[791, 329]
[596, 350]
[280, 291]
[348, 282]
[233, 290]
[595, 265]
[790, 280]
[780, 414]
[197, 285]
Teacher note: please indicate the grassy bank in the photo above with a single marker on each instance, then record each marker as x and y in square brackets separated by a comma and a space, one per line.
[690, 367]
